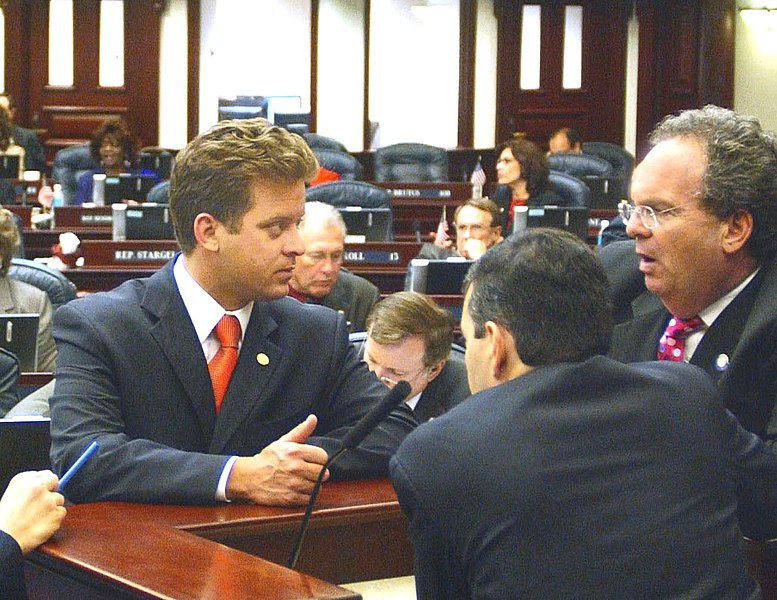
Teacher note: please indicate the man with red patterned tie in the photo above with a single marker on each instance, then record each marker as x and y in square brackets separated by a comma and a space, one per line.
[205, 382]
[704, 219]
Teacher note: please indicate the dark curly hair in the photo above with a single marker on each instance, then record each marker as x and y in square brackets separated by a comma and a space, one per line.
[534, 168]
[117, 128]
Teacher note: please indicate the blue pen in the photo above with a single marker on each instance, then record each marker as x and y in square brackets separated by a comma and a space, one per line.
[77, 465]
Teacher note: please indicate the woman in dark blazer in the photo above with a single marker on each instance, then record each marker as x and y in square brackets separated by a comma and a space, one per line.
[522, 175]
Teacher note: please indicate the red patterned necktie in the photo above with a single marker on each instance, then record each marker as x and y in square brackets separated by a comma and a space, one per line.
[672, 343]
[220, 367]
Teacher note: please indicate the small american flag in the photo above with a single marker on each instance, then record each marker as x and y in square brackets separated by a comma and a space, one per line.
[478, 178]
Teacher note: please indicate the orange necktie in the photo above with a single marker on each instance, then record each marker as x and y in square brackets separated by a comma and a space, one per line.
[220, 367]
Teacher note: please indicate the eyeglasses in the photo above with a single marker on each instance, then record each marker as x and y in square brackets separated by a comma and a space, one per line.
[320, 257]
[391, 383]
[647, 214]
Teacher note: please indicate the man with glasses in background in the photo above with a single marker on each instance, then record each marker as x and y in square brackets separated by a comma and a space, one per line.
[318, 275]
[704, 220]
[409, 338]
[477, 224]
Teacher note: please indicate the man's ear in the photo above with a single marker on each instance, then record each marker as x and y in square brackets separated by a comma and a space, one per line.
[498, 349]
[737, 230]
[206, 231]
[435, 371]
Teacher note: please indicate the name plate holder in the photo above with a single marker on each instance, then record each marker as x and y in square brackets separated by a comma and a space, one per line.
[127, 253]
[381, 255]
[76, 217]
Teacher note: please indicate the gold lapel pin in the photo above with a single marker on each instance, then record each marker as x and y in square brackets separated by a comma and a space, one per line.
[263, 359]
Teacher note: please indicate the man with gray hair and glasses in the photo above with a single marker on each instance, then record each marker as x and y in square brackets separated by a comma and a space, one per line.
[704, 221]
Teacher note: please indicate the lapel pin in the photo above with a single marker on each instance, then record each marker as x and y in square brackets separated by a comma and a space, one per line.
[262, 359]
[721, 362]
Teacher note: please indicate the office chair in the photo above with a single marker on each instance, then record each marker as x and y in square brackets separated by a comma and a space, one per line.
[160, 193]
[595, 172]
[349, 193]
[570, 188]
[59, 288]
[411, 162]
[622, 162]
[158, 160]
[342, 163]
[316, 141]
[69, 164]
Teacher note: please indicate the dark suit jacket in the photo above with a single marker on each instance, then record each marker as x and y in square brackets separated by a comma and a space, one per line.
[34, 160]
[445, 391]
[739, 351]
[354, 297]
[590, 480]
[11, 569]
[131, 374]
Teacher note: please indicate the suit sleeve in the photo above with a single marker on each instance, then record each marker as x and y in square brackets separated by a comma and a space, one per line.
[86, 406]
[437, 573]
[355, 390]
[11, 569]
[756, 467]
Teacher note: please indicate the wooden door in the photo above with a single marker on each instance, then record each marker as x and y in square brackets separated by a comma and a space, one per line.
[596, 107]
[68, 114]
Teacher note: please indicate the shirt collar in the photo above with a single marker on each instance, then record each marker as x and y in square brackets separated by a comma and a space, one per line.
[712, 312]
[203, 309]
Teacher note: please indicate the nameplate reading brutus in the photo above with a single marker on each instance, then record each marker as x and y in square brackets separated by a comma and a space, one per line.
[384, 257]
[149, 256]
[419, 193]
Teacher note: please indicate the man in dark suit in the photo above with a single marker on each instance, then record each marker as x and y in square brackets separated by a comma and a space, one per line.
[704, 219]
[318, 275]
[145, 369]
[409, 338]
[567, 474]
[31, 510]
[34, 160]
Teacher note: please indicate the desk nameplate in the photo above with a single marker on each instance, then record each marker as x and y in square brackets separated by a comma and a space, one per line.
[128, 253]
[66, 217]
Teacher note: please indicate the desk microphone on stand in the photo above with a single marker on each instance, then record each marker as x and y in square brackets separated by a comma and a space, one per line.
[351, 440]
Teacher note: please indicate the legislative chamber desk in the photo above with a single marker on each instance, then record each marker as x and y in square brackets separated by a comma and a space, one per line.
[114, 550]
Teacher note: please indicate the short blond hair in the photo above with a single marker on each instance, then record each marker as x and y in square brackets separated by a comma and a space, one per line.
[214, 173]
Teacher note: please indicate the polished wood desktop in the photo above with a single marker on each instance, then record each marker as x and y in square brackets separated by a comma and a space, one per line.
[117, 550]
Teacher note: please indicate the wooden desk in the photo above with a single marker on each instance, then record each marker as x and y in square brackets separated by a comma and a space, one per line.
[117, 550]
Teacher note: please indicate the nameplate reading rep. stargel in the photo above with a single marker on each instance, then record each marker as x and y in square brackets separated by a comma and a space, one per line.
[143, 255]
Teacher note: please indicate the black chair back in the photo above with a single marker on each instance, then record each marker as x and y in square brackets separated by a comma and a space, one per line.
[622, 162]
[69, 164]
[349, 193]
[411, 162]
[59, 288]
[342, 163]
[316, 140]
[160, 193]
[570, 188]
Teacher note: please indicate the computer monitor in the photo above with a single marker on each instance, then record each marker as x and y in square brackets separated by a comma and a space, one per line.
[296, 122]
[127, 186]
[367, 224]
[142, 222]
[160, 163]
[437, 276]
[24, 446]
[9, 166]
[242, 107]
[19, 334]
[571, 218]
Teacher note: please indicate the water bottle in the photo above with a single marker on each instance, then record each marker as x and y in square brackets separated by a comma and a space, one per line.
[59, 196]
[57, 200]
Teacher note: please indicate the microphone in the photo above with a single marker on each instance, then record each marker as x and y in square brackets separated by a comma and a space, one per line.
[417, 230]
[351, 440]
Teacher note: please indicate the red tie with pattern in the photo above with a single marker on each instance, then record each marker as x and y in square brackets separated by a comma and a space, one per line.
[672, 344]
[222, 364]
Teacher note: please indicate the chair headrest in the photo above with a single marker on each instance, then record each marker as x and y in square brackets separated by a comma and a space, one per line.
[316, 140]
[349, 193]
[411, 162]
[580, 165]
[342, 163]
[58, 287]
